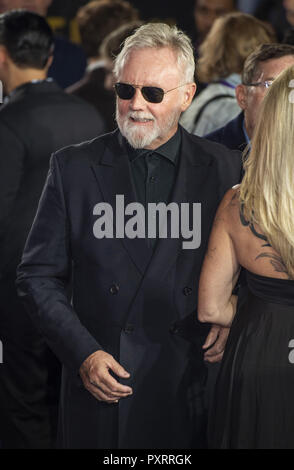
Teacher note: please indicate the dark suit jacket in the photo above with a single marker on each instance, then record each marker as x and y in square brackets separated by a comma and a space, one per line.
[137, 305]
[37, 120]
[91, 89]
[231, 135]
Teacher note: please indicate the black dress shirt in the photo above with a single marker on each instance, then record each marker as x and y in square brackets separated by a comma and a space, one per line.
[154, 173]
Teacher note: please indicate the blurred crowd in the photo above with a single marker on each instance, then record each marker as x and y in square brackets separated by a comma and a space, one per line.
[58, 93]
[85, 69]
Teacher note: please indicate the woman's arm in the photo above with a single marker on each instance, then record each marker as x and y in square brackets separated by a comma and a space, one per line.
[220, 269]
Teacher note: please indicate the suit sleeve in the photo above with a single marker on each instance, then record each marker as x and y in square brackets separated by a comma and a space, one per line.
[44, 275]
[11, 168]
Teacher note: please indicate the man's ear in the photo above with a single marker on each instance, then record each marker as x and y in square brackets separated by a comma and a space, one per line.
[241, 95]
[49, 62]
[190, 90]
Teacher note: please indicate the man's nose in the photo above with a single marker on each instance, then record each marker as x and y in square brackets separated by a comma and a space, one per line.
[138, 101]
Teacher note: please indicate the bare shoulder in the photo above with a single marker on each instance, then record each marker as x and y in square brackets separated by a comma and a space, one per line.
[229, 207]
[231, 198]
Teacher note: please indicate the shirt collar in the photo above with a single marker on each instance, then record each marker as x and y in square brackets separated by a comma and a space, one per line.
[100, 63]
[169, 149]
[231, 81]
[234, 79]
[26, 85]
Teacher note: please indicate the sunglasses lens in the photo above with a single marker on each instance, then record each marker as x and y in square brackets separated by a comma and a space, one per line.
[124, 91]
[152, 94]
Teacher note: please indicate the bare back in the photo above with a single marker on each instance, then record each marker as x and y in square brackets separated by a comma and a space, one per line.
[252, 249]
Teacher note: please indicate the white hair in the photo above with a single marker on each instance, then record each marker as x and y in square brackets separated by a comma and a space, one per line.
[159, 35]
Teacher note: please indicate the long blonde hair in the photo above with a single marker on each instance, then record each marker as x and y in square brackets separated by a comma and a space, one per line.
[267, 189]
[230, 41]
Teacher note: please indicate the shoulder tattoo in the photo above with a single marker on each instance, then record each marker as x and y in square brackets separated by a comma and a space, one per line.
[275, 260]
[246, 223]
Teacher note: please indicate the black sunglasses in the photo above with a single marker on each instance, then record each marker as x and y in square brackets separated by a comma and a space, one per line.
[152, 94]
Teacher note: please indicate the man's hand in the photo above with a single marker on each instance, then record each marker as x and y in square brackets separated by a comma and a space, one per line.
[217, 337]
[99, 382]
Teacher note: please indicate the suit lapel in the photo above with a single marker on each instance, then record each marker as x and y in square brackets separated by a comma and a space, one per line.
[114, 178]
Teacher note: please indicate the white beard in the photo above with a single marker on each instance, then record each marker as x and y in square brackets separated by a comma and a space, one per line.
[139, 138]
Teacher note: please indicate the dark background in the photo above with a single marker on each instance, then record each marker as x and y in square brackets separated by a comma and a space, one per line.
[180, 12]
[62, 12]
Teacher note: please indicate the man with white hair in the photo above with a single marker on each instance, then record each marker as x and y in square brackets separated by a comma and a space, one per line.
[131, 347]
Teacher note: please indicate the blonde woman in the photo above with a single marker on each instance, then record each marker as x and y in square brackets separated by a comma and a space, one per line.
[254, 229]
[230, 41]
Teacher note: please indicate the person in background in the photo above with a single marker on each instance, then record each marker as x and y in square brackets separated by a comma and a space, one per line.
[248, 6]
[36, 119]
[69, 62]
[254, 229]
[96, 20]
[273, 11]
[37, 6]
[205, 14]
[289, 9]
[133, 369]
[236, 36]
[260, 70]
[111, 47]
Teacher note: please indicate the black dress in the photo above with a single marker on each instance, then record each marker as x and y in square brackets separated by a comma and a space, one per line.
[253, 405]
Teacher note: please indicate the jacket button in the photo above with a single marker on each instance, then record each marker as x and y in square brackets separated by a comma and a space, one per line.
[187, 291]
[174, 329]
[114, 289]
[129, 328]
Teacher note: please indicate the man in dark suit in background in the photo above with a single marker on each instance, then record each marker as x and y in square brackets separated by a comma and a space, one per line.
[260, 69]
[36, 119]
[232, 135]
[129, 340]
[69, 62]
